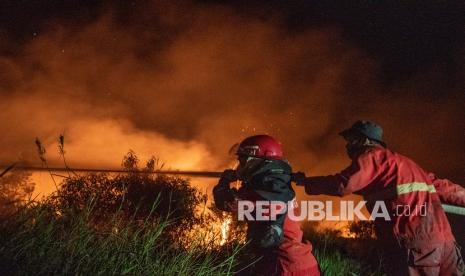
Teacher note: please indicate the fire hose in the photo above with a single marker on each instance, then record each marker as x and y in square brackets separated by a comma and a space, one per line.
[88, 170]
[457, 210]
[451, 209]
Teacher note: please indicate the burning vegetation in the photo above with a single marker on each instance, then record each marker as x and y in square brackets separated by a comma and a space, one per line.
[129, 222]
[102, 222]
[155, 78]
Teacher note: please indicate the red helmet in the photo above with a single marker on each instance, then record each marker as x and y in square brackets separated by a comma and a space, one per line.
[261, 146]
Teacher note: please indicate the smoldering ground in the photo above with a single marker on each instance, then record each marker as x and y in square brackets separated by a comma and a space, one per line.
[184, 81]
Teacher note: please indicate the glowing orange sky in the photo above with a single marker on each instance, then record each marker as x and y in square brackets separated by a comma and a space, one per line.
[186, 96]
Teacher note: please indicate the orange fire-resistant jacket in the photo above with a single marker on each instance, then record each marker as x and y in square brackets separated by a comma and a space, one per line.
[295, 255]
[412, 195]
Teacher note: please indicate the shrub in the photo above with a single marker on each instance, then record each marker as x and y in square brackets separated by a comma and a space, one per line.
[136, 222]
[15, 188]
[337, 255]
[37, 242]
[362, 229]
[137, 194]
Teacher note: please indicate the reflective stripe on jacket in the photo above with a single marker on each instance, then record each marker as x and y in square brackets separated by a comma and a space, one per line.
[381, 174]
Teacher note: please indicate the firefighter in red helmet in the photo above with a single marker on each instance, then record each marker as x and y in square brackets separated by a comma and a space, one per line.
[414, 243]
[266, 176]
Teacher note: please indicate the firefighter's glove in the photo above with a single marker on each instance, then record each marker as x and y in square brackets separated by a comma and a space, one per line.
[272, 237]
[299, 178]
[228, 176]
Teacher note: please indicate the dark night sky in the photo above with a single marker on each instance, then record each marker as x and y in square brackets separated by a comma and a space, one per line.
[404, 36]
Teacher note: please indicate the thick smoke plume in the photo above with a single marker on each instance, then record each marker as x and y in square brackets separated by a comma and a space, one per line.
[185, 86]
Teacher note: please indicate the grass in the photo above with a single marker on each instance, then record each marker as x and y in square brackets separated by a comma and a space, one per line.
[335, 262]
[341, 256]
[138, 224]
[37, 242]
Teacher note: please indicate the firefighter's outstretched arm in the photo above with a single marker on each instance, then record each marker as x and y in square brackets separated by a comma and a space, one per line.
[448, 191]
[357, 176]
[223, 195]
[315, 185]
